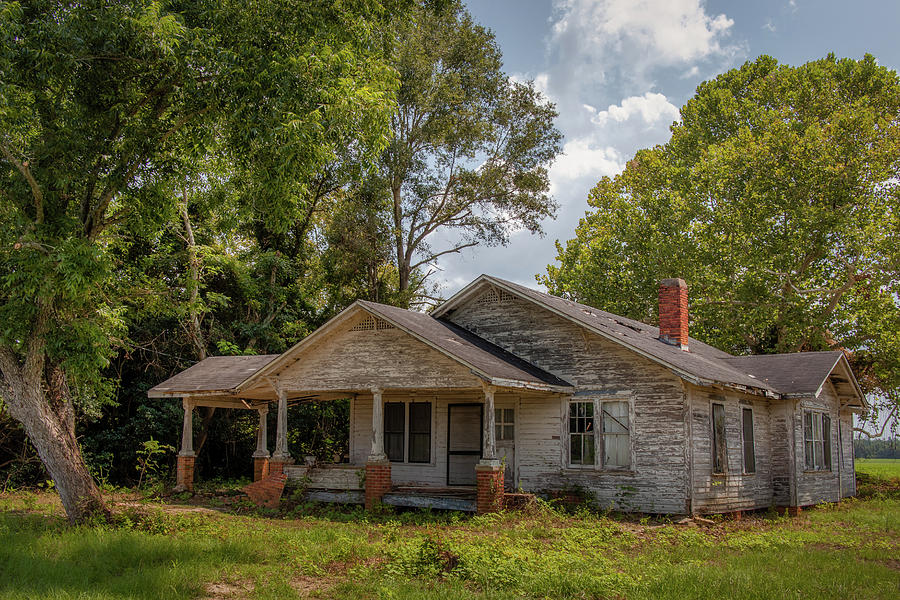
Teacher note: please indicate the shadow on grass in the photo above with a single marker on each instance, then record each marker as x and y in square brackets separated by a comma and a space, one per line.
[42, 557]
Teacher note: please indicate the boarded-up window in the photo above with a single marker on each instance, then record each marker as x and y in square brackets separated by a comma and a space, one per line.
[504, 426]
[817, 441]
[394, 430]
[420, 432]
[581, 433]
[718, 438]
[749, 445]
[616, 435]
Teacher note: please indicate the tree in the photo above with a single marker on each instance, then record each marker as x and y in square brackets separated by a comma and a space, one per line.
[470, 147]
[103, 108]
[777, 198]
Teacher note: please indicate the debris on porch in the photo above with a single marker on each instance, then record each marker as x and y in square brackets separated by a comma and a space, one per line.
[267, 492]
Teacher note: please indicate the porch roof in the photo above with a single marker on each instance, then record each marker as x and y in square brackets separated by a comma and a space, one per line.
[213, 375]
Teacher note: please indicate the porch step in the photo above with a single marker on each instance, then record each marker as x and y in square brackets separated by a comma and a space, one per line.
[450, 499]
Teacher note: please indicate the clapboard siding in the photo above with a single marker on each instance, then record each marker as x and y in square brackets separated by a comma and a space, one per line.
[735, 489]
[597, 368]
[388, 358]
[848, 466]
[814, 487]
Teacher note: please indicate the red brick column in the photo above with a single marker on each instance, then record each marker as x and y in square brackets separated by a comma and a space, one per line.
[378, 481]
[490, 488]
[260, 467]
[184, 472]
[276, 467]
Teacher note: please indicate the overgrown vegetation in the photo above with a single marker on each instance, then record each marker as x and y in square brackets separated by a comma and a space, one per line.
[154, 550]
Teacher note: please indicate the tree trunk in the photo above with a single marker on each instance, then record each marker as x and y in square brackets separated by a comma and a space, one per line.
[39, 399]
[402, 262]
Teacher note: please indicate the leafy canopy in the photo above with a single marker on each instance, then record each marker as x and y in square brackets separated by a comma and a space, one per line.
[777, 198]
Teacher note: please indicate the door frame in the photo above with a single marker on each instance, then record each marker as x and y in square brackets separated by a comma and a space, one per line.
[480, 451]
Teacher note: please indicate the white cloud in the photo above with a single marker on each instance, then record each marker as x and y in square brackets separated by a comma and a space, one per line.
[583, 157]
[651, 107]
[669, 31]
[769, 26]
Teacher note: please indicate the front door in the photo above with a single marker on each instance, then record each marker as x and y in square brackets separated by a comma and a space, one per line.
[463, 443]
[505, 436]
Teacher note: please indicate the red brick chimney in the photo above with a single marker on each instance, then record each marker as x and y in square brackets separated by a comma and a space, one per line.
[673, 312]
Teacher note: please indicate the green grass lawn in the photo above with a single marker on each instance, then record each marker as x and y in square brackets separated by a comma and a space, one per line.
[886, 468]
[846, 551]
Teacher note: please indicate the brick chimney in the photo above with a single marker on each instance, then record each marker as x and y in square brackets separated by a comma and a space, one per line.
[673, 312]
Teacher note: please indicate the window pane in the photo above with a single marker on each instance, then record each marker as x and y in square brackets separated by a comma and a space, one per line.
[826, 432]
[498, 432]
[419, 432]
[718, 415]
[394, 433]
[508, 432]
[508, 416]
[615, 417]
[809, 455]
[749, 445]
[575, 448]
[589, 450]
[419, 447]
[498, 415]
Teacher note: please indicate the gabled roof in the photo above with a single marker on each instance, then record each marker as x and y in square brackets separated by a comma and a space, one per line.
[485, 360]
[216, 374]
[702, 364]
[800, 374]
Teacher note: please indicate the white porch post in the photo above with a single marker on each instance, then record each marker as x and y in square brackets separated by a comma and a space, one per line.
[187, 429]
[262, 434]
[377, 427]
[281, 453]
[489, 452]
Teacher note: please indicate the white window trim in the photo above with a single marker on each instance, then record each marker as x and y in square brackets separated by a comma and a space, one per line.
[599, 450]
[502, 424]
[406, 402]
[817, 414]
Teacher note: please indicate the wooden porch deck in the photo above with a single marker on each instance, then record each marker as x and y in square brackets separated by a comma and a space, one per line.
[444, 498]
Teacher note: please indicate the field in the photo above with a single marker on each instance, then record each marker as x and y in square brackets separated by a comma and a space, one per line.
[886, 468]
[171, 550]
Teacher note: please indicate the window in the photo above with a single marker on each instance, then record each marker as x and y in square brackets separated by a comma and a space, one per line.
[817, 441]
[581, 433]
[614, 443]
[420, 432]
[749, 445]
[394, 430]
[616, 435]
[504, 424]
[718, 438]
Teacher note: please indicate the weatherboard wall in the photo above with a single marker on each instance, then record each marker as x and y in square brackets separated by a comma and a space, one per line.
[658, 480]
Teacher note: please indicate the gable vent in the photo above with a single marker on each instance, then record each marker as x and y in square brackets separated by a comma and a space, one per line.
[371, 324]
[495, 297]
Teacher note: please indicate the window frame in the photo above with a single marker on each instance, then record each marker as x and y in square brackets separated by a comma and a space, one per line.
[744, 411]
[822, 459]
[501, 424]
[713, 440]
[406, 431]
[410, 433]
[599, 446]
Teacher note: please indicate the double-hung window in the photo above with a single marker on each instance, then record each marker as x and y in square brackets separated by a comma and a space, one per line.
[749, 443]
[613, 441]
[719, 447]
[504, 424]
[407, 431]
[817, 440]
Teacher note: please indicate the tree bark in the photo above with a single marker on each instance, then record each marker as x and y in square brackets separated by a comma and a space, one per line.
[39, 399]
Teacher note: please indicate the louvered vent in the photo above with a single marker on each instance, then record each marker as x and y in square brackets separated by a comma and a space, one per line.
[495, 297]
[371, 324]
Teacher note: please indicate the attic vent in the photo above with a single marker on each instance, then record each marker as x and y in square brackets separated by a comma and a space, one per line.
[371, 324]
[495, 297]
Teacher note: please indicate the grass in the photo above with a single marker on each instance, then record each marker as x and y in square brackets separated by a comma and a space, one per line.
[154, 550]
[885, 468]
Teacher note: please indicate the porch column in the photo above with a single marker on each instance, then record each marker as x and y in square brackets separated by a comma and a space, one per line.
[378, 467]
[184, 465]
[489, 471]
[281, 456]
[261, 456]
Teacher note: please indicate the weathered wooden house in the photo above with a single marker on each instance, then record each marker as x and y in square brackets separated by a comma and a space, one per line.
[504, 387]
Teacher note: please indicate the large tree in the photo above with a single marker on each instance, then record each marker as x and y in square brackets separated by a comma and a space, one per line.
[778, 199]
[105, 108]
[470, 148]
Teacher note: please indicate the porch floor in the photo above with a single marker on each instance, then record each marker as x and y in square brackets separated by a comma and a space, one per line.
[462, 498]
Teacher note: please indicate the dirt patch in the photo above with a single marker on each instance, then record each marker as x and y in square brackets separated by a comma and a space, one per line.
[228, 591]
[312, 587]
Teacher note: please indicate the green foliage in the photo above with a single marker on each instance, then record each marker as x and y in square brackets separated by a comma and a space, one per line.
[777, 199]
[148, 460]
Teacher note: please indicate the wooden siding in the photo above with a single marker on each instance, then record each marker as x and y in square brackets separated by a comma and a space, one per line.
[598, 368]
[734, 489]
[814, 487]
[360, 360]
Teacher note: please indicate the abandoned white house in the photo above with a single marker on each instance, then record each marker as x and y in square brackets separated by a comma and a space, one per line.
[505, 386]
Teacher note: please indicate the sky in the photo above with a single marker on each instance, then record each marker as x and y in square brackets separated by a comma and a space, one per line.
[619, 70]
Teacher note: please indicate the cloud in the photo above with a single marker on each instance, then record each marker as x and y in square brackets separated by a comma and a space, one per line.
[648, 33]
[769, 26]
[651, 107]
[583, 157]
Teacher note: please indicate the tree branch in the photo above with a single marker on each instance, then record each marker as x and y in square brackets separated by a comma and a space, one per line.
[36, 192]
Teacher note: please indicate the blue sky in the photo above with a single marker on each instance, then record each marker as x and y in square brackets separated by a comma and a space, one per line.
[619, 70]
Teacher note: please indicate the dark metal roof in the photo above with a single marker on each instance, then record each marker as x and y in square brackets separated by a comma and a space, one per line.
[213, 374]
[796, 374]
[465, 346]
